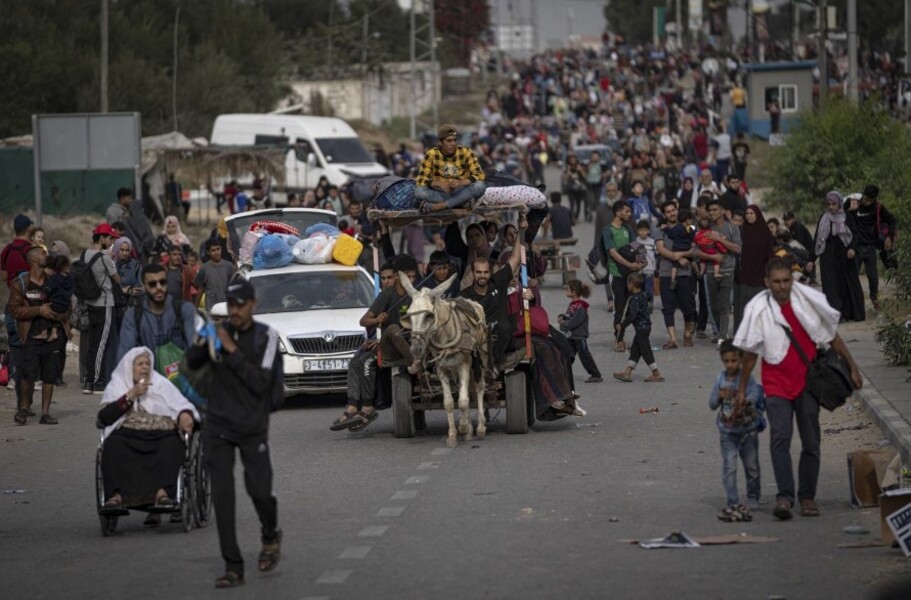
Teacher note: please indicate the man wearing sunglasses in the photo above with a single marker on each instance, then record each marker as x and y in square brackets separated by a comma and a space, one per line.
[450, 175]
[160, 318]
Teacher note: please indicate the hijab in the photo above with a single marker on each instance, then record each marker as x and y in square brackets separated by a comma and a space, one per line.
[757, 248]
[118, 244]
[161, 399]
[177, 238]
[833, 224]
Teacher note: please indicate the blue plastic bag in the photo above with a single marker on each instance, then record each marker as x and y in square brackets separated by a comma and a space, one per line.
[329, 230]
[271, 252]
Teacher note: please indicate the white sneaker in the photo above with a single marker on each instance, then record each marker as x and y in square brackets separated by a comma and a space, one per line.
[11, 385]
[38, 386]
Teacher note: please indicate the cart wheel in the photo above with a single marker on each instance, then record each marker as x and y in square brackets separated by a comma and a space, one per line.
[402, 411]
[108, 525]
[516, 402]
[202, 505]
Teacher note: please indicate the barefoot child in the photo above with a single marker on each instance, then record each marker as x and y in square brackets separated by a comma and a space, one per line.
[708, 245]
[739, 427]
[638, 314]
[681, 236]
[574, 323]
[59, 288]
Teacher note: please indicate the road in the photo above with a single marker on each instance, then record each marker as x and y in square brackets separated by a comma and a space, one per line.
[540, 515]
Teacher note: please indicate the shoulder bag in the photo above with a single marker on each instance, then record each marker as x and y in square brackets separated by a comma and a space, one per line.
[828, 376]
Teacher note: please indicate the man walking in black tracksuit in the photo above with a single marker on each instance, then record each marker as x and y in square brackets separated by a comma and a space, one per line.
[245, 387]
[875, 231]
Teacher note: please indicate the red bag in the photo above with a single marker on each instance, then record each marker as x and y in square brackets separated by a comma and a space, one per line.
[540, 323]
[4, 369]
[275, 227]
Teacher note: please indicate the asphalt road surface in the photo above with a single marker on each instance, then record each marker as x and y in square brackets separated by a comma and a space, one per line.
[541, 515]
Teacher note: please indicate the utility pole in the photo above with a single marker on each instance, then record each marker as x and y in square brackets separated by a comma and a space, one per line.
[795, 28]
[853, 93]
[104, 56]
[422, 48]
[822, 53]
[678, 18]
[174, 77]
[907, 36]
[329, 48]
[366, 34]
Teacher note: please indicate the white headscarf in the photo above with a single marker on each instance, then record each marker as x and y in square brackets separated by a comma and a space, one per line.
[161, 399]
[833, 223]
[178, 238]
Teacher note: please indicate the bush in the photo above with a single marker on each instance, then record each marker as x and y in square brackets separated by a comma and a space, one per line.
[845, 148]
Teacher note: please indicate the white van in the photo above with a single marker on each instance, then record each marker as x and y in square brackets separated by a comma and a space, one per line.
[318, 146]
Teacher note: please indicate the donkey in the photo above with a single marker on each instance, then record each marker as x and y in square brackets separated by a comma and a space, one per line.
[447, 334]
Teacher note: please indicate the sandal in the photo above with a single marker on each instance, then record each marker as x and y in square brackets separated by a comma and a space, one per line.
[623, 377]
[653, 378]
[229, 579]
[731, 514]
[21, 417]
[808, 508]
[270, 554]
[746, 514]
[620, 347]
[344, 422]
[48, 420]
[113, 503]
[687, 341]
[670, 345]
[363, 419]
[165, 502]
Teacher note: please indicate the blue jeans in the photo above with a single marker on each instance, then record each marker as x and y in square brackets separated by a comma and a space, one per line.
[648, 285]
[472, 191]
[745, 445]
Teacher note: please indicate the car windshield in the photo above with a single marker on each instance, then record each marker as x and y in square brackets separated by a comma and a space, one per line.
[344, 150]
[300, 219]
[298, 291]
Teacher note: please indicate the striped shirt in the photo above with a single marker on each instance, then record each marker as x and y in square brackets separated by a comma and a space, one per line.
[461, 165]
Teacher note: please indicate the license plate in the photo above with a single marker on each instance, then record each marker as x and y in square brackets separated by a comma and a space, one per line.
[326, 364]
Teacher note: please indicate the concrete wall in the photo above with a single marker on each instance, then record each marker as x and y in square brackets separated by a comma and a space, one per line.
[377, 97]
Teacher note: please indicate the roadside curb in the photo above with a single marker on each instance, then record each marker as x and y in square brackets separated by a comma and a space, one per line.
[895, 428]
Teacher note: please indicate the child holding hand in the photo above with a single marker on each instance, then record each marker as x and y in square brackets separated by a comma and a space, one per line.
[574, 323]
[739, 427]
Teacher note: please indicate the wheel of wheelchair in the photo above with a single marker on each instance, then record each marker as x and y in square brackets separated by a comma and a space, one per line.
[201, 490]
[187, 478]
[108, 522]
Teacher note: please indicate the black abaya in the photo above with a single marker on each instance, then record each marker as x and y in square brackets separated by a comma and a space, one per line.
[841, 280]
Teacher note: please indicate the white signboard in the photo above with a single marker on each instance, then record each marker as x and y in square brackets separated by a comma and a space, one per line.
[900, 524]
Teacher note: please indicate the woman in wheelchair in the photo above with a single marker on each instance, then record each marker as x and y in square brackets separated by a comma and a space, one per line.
[142, 414]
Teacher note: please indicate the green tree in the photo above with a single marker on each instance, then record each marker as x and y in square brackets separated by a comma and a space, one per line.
[461, 23]
[842, 148]
[633, 19]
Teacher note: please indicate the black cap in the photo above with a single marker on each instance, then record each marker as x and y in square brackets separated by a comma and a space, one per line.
[788, 215]
[240, 291]
[871, 191]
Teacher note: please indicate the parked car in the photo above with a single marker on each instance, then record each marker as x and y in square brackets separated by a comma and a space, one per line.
[315, 309]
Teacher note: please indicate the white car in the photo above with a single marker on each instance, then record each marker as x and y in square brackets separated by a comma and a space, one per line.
[316, 311]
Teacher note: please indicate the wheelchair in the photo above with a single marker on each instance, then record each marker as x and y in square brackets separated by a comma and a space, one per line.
[194, 491]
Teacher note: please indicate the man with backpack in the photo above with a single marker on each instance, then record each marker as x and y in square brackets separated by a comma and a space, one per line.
[875, 230]
[616, 239]
[95, 276]
[159, 318]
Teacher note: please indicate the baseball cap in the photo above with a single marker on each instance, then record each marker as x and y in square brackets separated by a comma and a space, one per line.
[239, 292]
[105, 229]
[21, 222]
[447, 130]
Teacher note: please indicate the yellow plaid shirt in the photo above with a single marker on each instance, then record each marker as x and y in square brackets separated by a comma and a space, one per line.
[461, 165]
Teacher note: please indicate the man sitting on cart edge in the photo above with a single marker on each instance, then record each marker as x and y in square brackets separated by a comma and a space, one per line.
[450, 175]
[386, 313]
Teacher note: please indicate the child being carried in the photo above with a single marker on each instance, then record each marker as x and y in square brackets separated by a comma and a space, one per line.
[709, 246]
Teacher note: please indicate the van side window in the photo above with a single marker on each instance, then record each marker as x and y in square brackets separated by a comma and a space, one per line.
[262, 139]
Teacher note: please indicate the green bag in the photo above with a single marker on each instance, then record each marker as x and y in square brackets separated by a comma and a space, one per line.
[170, 362]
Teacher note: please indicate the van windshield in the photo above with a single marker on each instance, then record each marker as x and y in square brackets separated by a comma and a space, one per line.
[344, 150]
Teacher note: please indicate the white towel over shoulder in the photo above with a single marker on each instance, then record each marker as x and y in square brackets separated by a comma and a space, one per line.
[760, 331]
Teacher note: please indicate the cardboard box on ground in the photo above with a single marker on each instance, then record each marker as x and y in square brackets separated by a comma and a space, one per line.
[870, 472]
[895, 518]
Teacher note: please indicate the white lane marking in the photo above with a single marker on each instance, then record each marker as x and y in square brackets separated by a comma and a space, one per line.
[405, 495]
[429, 465]
[335, 576]
[417, 479]
[441, 451]
[391, 511]
[355, 552]
[373, 531]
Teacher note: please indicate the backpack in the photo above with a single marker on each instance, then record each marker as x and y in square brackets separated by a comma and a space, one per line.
[86, 287]
[633, 252]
